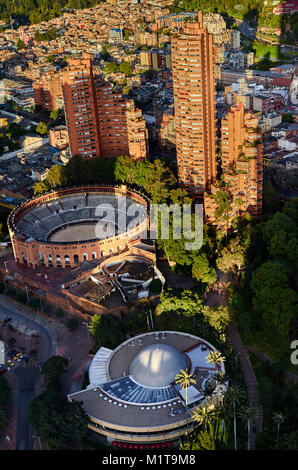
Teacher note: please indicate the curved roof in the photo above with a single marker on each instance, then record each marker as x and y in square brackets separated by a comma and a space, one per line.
[157, 365]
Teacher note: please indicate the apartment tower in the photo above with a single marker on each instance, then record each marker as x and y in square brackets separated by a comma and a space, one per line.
[79, 95]
[193, 54]
[242, 166]
[100, 121]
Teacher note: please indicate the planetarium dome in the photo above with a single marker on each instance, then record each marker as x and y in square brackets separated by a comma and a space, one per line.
[157, 365]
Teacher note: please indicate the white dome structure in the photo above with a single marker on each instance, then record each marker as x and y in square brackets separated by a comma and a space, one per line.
[157, 365]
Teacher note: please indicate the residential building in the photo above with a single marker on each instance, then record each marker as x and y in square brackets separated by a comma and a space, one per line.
[100, 121]
[194, 101]
[48, 91]
[242, 167]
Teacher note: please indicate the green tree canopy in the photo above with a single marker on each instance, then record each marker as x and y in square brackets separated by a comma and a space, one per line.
[202, 271]
[125, 67]
[42, 128]
[186, 303]
[272, 296]
[54, 367]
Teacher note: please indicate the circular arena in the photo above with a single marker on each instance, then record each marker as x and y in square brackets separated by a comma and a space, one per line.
[133, 396]
[70, 226]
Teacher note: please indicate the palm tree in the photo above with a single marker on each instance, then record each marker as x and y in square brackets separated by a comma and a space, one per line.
[209, 391]
[247, 414]
[278, 418]
[221, 379]
[234, 396]
[204, 415]
[185, 379]
[215, 357]
[224, 413]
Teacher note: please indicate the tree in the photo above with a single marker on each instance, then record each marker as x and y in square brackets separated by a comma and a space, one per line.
[40, 187]
[185, 379]
[271, 199]
[111, 67]
[125, 67]
[106, 330]
[276, 302]
[54, 367]
[54, 114]
[42, 128]
[202, 271]
[287, 117]
[217, 316]
[235, 395]
[232, 257]
[185, 303]
[247, 415]
[56, 176]
[278, 222]
[14, 130]
[159, 182]
[223, 210]
[55, 419]
[20, 45]
[204, 415]
[215, 357]
[278, 418]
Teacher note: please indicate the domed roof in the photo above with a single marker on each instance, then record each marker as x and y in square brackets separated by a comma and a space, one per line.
[157, 365]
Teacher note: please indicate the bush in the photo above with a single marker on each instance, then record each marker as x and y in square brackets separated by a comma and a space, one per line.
[72, 324]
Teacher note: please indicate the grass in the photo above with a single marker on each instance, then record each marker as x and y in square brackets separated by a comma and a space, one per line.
[266, 50]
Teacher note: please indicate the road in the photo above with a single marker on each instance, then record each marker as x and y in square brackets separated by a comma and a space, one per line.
[28, 376]
[44, 327]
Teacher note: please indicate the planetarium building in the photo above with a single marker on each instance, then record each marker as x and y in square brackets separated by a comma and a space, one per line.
[133, 396]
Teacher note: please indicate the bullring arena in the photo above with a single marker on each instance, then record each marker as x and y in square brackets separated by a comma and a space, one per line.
[58, 229]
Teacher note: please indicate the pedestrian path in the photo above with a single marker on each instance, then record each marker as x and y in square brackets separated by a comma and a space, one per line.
[250, 380]
[217, 296]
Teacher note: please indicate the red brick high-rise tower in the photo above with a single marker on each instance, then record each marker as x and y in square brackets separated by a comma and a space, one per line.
[80, 107]
[242, 166]
[100, 121]
[193, 56]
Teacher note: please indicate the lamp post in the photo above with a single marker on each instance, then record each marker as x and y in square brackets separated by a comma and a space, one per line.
[86, 324]
[27, 294]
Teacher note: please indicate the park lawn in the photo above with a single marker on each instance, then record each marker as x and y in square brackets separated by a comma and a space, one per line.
[266, 50]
